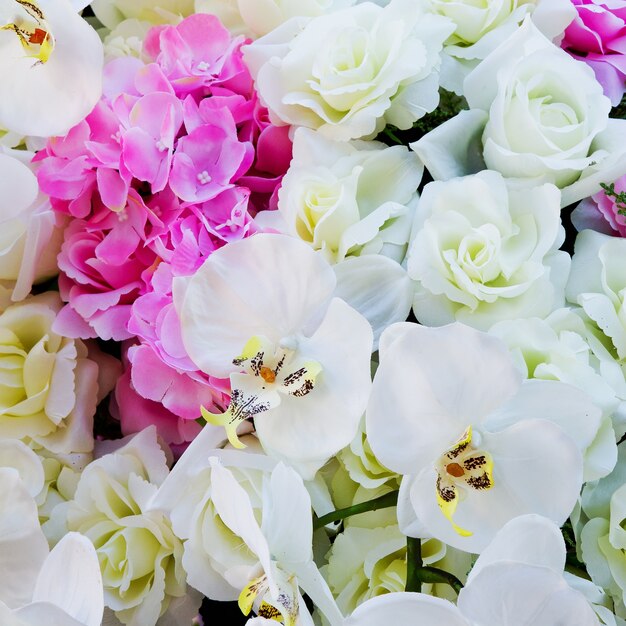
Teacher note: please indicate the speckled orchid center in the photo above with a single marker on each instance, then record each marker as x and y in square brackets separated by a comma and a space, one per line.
[32, 29]
[460, 468]
[284, 608]
[269, 371]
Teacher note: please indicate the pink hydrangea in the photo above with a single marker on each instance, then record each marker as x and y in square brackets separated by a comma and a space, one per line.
[174, 162]
[597, 36]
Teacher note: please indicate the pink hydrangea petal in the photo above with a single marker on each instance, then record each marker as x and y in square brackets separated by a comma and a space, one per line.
[112, 187]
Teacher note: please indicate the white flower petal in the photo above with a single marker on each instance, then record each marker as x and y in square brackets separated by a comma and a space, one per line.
[407, 609]
[529, 539]
[527, 595]
[377, 287]
[70, 578]
[23, 547]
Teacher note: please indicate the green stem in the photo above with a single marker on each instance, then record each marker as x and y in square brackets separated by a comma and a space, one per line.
[382, 502]
[414, 564]
[393, 136]
[436, 575]
[417, 573]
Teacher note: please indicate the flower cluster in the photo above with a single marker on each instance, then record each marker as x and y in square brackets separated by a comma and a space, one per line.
[294, 325]
[173, 163]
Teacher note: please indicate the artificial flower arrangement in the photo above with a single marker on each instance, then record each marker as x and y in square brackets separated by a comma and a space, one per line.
[312, 312]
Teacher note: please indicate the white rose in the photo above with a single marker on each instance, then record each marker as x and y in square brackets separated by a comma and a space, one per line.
[597, 283]
[113, 12]
[259, 17]
[484, 252]
[48, 386]
[351, 72]
[350, 198]
[482, 27]
[354, 202]
[536, 115]
[140, 557]
[29, 237]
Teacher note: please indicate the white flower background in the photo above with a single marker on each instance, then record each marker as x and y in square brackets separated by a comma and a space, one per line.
[312, 312]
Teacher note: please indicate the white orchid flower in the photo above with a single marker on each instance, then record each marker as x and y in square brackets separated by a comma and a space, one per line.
[247, 525]
[62, 588]
[517, 581]
[477, 446]
[261, 312]
[50, 67]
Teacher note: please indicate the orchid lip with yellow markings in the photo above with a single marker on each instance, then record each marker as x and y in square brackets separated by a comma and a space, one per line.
[269, 371]
[283, 608]
[32, 29]
[460, 468]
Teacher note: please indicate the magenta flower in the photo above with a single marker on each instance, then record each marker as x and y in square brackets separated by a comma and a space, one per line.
[597, 36]
[603, 212]
[173, 163]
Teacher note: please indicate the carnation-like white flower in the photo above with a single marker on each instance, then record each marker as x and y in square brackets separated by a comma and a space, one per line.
[63, 587]
[351, 72]
[259, 17]
[557, 348]
[275, 333]
[50, 67]
[29, 237]
[140, 557]
[482, 27]
[536, 115]
[484, 251]
[354, 202]
[474, 454]
[49, 387]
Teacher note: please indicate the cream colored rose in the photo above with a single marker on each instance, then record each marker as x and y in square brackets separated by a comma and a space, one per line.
[536, 115]
[259, 17]
[350, 198]
[482, 26]
[484, 252]
[126, 39]
[29, 237]
[354, 202]
[351, 72]
[48, 386]
[112, 12]
[139, 555]
[366, 562]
